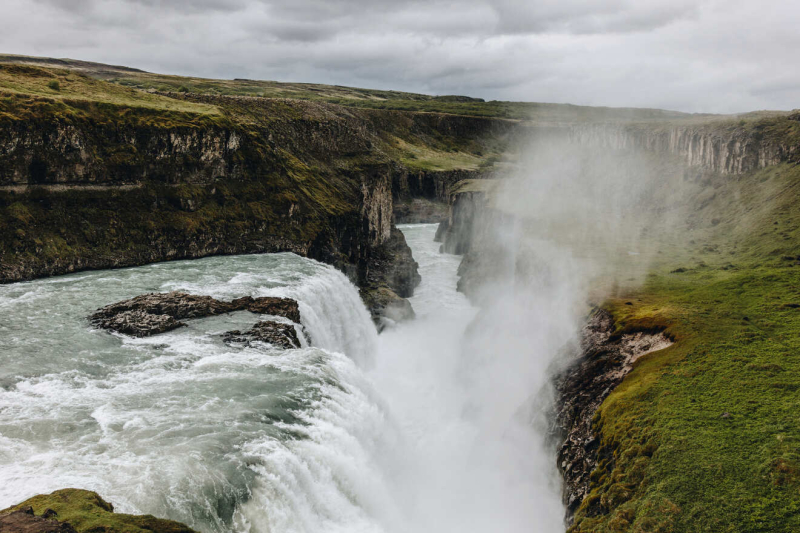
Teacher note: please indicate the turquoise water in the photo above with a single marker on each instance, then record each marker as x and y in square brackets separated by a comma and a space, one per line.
[179, 424]
[411, 431]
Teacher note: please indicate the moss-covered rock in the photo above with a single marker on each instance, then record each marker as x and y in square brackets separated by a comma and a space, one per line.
[86, 511]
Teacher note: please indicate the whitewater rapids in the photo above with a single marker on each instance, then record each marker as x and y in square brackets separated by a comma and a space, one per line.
[352, 432]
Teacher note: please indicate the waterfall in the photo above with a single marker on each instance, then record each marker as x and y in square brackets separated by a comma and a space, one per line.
[352, 432]
[334, 315]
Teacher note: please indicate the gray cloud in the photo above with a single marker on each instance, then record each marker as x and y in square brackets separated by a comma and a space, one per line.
[692, 55]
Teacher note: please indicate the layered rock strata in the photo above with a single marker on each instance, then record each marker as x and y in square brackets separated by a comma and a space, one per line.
[604, 361]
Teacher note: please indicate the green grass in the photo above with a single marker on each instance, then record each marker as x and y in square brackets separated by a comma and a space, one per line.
[347, 96]
[88, 512]
[422, 156]
[65, 85]
[27, 94]
[704, 436]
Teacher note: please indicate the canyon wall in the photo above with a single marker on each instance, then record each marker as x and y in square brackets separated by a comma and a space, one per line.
[724, 145]
[90, 190]
[720, 148]
[717, 147]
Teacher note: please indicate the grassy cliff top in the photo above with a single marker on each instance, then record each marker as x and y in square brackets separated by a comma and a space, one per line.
[47, 92]
[703, 436]
[65, 85]
[68, 80]
[348, 96]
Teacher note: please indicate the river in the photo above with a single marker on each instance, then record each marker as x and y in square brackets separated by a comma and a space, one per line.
[353, 432]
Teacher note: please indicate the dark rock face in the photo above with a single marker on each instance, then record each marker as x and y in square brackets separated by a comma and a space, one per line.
[431, 185]
[392, 276]
[397, 266]
[604, 361]
[139, 323]
[150, 314]
[383, 303]
[269, 305]
[275, 333]
[24, 521]
[419, 211]
[466, 215]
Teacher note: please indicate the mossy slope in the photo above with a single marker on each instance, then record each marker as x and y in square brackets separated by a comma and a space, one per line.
[704, 436]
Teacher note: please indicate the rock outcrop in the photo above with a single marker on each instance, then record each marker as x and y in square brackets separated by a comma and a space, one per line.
[154, 313]
[77, 510]
[387, 307]
[605, 359]
[24, 521]
[391, 277]
[137, 323]
[277, 334]
[724, 147]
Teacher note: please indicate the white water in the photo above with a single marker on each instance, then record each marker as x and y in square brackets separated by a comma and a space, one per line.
[352, 433]
[473, 461]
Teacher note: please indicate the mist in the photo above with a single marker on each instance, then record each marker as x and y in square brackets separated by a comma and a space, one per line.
[568, 227]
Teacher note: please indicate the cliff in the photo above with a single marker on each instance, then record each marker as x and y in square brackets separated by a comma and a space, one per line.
[99, 176]
[694, 437]
[605, 358]
[732, 147]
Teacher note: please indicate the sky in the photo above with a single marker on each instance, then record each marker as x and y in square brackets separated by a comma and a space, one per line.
[696, 56]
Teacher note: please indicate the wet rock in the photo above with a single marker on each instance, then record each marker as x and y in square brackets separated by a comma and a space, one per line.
[154, 313]
[269, 305]
[384, 304]
[278, 334]
[394, 267]
[176, 304]
[399, 310]
[392, 276]
[139, 323]
[24, 521]
[604, 361]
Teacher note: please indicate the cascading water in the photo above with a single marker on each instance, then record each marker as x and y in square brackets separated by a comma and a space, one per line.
[351, 432]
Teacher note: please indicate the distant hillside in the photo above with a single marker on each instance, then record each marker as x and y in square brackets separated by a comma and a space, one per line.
[348, 96]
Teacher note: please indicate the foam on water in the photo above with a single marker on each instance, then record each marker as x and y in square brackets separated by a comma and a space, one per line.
[349, 433]
[181, 425]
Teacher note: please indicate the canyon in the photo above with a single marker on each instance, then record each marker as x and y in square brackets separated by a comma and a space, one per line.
[120, 168]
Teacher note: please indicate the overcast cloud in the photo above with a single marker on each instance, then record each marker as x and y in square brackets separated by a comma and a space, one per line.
[702, 55]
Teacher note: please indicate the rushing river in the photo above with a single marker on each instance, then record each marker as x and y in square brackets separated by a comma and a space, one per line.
[353, 432]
